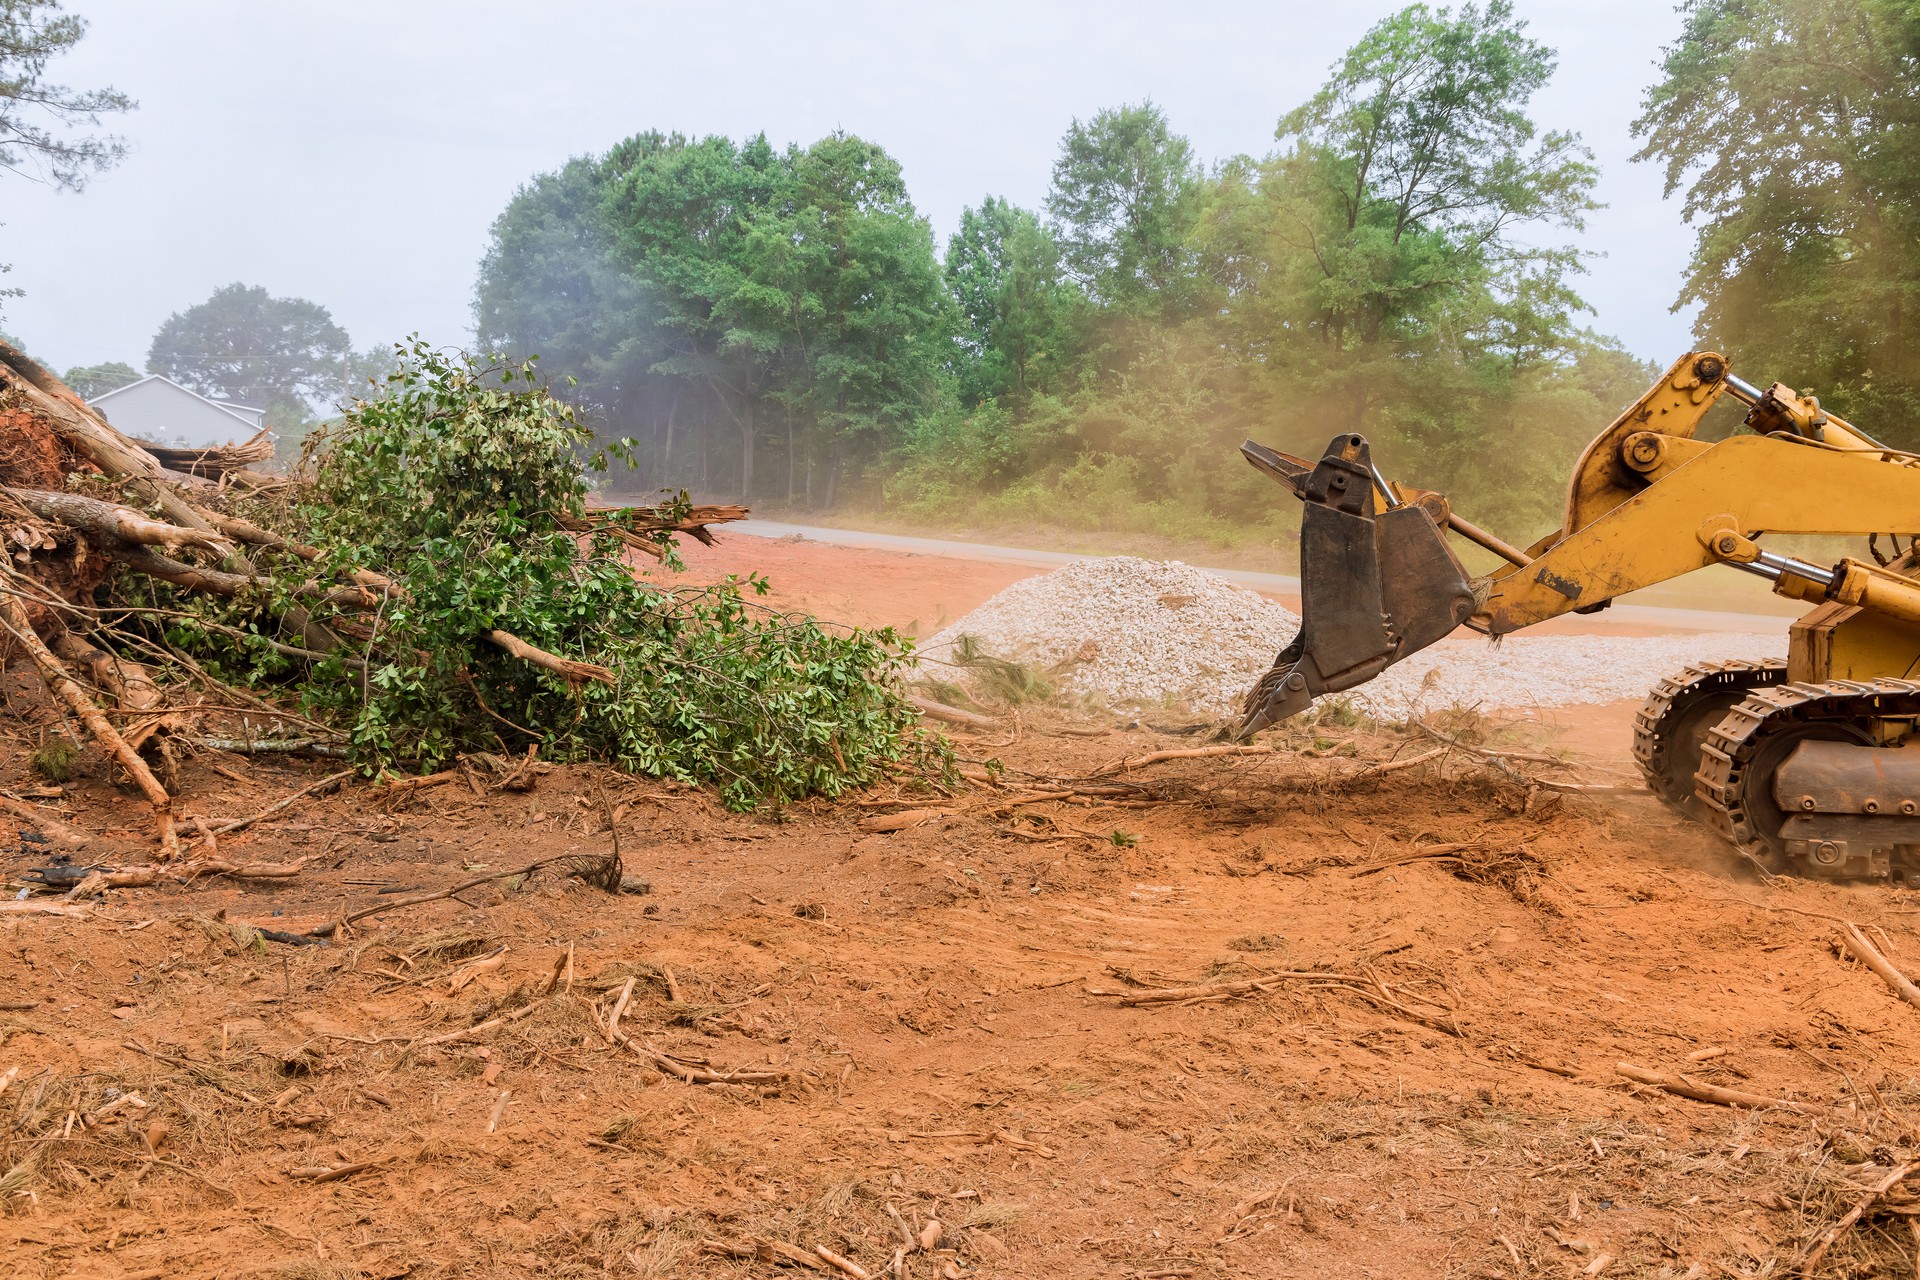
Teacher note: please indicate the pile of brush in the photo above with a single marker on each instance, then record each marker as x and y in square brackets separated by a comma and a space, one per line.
[84, 507]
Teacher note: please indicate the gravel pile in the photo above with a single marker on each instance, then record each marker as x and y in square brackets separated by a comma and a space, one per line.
[1151, 631]
[1163, 633]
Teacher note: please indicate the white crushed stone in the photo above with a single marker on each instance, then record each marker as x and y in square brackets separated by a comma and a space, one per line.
[1162, 632]
[1523, 672]
[1166, 634]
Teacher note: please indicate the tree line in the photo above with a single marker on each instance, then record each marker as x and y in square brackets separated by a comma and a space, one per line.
[777, 324]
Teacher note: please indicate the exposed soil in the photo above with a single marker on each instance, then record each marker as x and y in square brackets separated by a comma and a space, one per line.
[914, 594]
[944, 1006]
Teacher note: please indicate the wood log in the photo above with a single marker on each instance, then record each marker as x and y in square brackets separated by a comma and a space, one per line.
[885, 822]
[127, 682]
[258, 481]
[656, 519]
[950, 715]
[1683, 1087]
[1870, 956]
[1184, 753]
[31, 907]
[247, 531]
[191, 576]
[109, 521]
[47, 824]
[131, 538]
[217, 461]
[1217, 990]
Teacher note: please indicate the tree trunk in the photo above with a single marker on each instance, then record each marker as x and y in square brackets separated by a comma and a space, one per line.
[746, 449]
[666, 454]
[110, 522]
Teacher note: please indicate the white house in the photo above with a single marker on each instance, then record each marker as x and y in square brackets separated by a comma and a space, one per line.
[161, 411]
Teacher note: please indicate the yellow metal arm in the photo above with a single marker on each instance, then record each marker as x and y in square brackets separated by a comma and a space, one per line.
[1672, 408]
[1766, 484]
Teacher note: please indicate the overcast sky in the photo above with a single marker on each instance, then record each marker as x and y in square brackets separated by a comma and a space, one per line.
[355, 152]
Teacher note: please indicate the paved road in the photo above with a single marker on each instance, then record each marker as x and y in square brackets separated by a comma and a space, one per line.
[1268, 583]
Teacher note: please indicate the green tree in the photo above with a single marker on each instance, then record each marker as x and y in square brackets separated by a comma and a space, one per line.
[242, 344]
[682, 212]
[841, 273]
[44, 127]
[1122, 199]
[1395, 257]
[552, 284]
[1004, 271]
[93, 380]
[1791, 126]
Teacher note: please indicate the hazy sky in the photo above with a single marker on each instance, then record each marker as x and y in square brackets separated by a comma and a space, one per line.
[354, 152]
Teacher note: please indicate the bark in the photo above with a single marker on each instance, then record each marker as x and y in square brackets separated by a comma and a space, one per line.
[128, 683]
[108, 522]
[148, 561]
[666, 453]
[746, 452]
[574, 672]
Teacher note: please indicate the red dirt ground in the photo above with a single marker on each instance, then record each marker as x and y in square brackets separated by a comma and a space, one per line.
[945, 1009]
[914, 594]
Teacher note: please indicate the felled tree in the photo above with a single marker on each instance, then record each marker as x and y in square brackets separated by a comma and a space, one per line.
[493, 608]
[442, 586]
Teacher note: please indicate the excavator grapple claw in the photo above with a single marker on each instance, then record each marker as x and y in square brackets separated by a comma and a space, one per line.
[1376, 586]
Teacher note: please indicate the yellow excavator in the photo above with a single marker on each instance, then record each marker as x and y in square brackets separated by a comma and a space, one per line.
[1808, 765]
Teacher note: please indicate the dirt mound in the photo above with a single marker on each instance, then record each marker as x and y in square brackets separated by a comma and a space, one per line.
[1132, 631]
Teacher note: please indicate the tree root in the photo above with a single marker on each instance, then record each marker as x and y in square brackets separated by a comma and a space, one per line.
[14, 618]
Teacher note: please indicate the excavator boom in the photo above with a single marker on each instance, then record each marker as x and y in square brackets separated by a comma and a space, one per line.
[1647, 502]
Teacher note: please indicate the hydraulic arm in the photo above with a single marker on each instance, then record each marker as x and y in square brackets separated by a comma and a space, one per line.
[1647, 502]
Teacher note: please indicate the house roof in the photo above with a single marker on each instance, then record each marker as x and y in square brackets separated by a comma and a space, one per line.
[225, 408]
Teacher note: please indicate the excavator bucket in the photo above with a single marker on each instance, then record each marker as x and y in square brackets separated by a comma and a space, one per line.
[1375, 586]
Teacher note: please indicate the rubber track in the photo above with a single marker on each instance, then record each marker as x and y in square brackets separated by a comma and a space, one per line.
[1723, 782]
[1652, 725]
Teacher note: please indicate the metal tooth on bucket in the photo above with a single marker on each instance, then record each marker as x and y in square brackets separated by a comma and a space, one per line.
[1375, 586]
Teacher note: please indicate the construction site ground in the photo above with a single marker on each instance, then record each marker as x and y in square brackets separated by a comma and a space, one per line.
[937, 1021]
